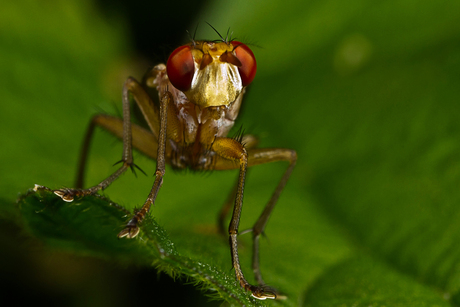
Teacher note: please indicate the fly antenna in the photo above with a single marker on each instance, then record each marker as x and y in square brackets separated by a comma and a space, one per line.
[228, 38]
[224, 40]
[192, 38]
[194, 33]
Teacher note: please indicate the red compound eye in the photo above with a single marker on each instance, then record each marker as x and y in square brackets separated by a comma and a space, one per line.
[248, 60]
[180, 68]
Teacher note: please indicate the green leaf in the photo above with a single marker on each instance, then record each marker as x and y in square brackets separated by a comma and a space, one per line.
[362, 281]
[366, 92]
[88, 226]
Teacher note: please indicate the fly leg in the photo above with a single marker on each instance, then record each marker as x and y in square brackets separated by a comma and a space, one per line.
[230, 151]
[225, 210]
[107, 122]
[247, 159]
[249, 141]
[132, 229]
[142, 139]
[261, 156]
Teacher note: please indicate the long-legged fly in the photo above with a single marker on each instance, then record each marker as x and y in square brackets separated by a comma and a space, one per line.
[200, 90]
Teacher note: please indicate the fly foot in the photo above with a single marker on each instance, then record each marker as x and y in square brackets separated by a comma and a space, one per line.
[131, 229]
[67, 195]
[262, 292]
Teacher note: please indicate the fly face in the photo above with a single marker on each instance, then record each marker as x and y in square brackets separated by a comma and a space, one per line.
[212, 73]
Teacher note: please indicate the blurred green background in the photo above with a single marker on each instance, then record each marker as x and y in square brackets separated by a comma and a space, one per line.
[366, 92]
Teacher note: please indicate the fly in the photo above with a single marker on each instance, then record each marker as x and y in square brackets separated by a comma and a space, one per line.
[200, 90]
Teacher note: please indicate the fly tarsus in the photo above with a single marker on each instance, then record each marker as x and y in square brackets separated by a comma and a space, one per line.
[131, 229]
[262, 292]
[68, 195]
